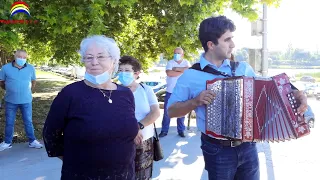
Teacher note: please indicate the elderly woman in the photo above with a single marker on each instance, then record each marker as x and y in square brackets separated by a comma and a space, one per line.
[91, 124]
[147, 111]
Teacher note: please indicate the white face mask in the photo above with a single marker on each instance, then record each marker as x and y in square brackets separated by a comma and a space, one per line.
[99, 79]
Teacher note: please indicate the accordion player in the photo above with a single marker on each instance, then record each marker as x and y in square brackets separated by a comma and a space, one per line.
[254, 109]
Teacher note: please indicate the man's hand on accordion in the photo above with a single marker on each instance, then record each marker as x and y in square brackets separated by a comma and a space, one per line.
[205, 97]
[302, 99]
[180, 109]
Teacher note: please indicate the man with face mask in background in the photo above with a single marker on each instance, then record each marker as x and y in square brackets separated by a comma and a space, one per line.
[174, 70]
[18, 79]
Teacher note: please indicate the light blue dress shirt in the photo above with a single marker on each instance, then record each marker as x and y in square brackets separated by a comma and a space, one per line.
[192, 82]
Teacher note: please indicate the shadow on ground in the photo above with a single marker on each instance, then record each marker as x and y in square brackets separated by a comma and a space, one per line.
[184, 153]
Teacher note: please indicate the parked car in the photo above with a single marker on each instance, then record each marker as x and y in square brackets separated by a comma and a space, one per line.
[78, 72]
[156, 85]
[292, 78]
[161, 95]
[309, 116]
[45, 68]
[308, 79]
[310, 89]
[317, 93]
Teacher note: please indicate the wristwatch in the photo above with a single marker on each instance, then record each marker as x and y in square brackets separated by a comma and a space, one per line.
[141, 126]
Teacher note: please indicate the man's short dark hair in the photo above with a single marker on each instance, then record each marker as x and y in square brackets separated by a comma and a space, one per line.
[211, 29]
[136, 66]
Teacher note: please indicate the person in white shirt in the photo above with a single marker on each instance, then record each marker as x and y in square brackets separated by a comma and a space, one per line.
[174, 70]
[147, 112]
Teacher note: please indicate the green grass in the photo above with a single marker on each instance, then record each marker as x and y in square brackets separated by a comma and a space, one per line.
[47, 87]
[43, 73]
[293, 67]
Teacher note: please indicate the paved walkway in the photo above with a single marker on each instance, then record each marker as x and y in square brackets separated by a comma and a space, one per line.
[183, 160]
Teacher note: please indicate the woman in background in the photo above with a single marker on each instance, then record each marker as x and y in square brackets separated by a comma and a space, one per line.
[147, 112]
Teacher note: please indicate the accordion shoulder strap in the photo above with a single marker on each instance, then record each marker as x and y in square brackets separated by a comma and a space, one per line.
[211, 70]
[234, 65]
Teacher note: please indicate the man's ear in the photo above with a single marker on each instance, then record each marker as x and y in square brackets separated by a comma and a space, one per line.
[211, 45]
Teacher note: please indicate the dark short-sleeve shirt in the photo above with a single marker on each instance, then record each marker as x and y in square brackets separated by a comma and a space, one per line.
[90, 133]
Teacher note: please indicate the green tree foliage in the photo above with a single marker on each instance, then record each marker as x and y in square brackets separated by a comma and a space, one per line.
[142, 28]
[8, 34]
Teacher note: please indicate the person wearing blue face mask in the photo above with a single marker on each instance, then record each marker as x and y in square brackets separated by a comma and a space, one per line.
[91, 125]
[18, 79]
[174, 70]
[147, 112]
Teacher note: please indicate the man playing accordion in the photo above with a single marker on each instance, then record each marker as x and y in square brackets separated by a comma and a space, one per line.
[224, 158]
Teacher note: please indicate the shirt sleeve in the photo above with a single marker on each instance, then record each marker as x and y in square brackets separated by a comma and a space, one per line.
[188, 64]
[169, 66]
[2, 74]
[249, 71]
[152, 98]
[181, 91]
[55, 124]
[33, 75]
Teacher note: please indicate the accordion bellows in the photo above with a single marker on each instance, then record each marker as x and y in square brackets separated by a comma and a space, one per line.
[254, 109]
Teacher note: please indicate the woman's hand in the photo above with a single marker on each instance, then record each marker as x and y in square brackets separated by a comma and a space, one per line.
[138, 139]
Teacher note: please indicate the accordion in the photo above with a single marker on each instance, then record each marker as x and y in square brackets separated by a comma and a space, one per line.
[254, 109]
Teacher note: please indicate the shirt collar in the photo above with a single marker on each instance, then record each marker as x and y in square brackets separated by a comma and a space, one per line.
[12, 63]
[204, 62]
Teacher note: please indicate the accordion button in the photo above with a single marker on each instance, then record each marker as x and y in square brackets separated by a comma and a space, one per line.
[296, 114]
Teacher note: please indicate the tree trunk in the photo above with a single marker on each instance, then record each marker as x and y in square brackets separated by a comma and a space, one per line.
[4, 58]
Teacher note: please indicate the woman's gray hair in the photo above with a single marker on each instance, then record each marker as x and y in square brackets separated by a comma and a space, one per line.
[108, 44]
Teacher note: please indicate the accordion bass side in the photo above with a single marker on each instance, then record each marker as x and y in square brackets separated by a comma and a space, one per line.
[254, 109]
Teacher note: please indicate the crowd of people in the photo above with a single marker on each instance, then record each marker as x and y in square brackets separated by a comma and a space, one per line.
[104, 130]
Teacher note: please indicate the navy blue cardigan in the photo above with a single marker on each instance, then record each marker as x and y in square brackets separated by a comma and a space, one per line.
[94, 137]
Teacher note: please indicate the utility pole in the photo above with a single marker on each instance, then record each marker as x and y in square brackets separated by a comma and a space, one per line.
[264, 52]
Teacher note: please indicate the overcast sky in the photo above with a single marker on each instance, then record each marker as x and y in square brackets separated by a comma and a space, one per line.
[295, 21]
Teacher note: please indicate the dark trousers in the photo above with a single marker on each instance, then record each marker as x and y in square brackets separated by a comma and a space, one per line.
[231, 163]
[166, 119]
